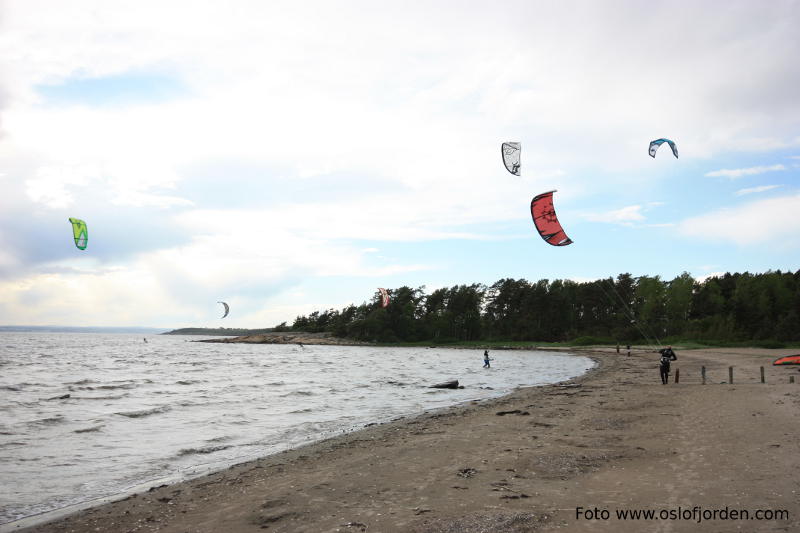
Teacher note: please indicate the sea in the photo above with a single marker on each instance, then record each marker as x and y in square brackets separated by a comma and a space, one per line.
[87, 416]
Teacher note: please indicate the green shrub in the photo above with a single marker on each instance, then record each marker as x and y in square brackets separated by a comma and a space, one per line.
[769, 344]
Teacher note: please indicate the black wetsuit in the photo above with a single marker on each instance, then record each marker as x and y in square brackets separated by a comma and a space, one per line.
[667, 356]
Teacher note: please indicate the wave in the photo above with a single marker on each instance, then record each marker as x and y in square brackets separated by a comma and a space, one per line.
[188, 381]
[14, 443]
[19, 386]
[145, 412]
[81, 382]
[298, 393]
[90, 430]
[202, 451]
[107, 387]
[49, 421]
[117, 397]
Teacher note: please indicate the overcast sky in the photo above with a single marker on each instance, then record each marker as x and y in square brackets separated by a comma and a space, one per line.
[287, 157]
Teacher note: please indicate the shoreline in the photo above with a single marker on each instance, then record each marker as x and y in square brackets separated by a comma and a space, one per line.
[194, 472]
[611, 431]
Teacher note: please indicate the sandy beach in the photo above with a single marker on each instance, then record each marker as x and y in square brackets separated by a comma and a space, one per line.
[568, 457]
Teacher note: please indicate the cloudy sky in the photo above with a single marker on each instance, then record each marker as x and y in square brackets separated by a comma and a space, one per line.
[293, 156]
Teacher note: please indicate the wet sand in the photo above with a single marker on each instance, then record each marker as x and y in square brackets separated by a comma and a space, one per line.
[614, 439]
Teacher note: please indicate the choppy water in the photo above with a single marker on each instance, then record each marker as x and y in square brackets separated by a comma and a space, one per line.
[170, 408]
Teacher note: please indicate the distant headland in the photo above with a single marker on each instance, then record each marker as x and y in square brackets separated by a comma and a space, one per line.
[293, 337]
[226, 332]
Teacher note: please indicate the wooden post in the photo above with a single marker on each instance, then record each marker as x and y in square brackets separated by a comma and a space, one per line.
[791, 379]
[703, 374]
[677, 375]
[762, 375]
[730, 375]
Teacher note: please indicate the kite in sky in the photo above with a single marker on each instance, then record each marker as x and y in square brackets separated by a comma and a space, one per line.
[511, 157]
[544, 217]
[384, 297]
[658, 142]
[227, 309]
[80, 233]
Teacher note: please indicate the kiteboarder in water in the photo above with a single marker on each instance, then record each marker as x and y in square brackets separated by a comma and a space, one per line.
[667, 356]
[486, 359]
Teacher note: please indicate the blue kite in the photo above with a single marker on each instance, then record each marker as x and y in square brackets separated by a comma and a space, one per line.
[658, 142]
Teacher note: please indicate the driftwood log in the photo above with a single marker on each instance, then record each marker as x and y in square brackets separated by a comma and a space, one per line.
[446, 385]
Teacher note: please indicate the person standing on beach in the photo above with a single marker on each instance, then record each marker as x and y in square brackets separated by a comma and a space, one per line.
[486, 359]
[667, 356]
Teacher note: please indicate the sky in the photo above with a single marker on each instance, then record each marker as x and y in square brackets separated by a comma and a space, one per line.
[287, 157]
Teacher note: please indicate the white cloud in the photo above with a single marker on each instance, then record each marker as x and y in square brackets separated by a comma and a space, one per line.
[179, 286]
[349, 70]
[624, 216]
[703, 277]
[51, 185]
[116, 298]
[753, 190]
[739, 172]
[139, 199]
[772, 221]
[316, 90]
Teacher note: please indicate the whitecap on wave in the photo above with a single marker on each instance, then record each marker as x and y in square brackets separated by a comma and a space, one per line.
[145, 412]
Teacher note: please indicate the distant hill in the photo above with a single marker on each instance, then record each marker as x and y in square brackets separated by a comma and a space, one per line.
[232, 332]
[87, 329]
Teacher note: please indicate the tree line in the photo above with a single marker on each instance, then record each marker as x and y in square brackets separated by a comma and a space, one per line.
[728, 308]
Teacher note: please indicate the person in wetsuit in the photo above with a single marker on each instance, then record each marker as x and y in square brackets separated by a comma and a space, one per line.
[667, 356]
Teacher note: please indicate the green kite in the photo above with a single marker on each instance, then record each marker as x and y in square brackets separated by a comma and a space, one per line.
[80, 233]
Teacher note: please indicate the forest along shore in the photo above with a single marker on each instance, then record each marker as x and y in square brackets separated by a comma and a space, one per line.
[614, 440]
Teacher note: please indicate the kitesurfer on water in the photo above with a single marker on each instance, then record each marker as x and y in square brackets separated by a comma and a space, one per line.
[486, 359]
[667, 356]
